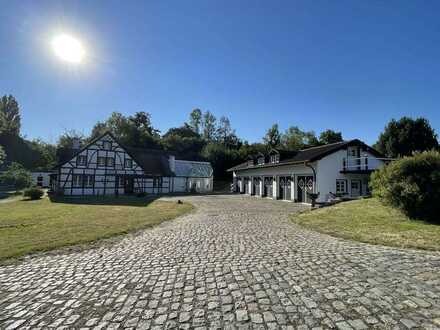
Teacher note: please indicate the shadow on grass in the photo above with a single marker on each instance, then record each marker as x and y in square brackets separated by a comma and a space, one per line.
[124, 200]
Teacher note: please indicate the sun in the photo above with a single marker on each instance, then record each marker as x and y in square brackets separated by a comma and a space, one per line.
[68, 48]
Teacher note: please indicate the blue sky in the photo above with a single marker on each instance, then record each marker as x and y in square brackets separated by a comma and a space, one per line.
[346, 65]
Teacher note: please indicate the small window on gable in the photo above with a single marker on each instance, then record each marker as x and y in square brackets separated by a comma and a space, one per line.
[106, 145]
[101, 161]
[341, 186]
[81, 160]
[128, 163]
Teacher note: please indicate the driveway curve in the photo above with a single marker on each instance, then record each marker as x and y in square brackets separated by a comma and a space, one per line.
[237, 262]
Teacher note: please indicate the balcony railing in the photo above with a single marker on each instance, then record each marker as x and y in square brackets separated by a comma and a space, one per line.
[352, 164]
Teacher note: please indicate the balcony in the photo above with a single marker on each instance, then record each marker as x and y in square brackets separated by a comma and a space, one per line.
[362, 164]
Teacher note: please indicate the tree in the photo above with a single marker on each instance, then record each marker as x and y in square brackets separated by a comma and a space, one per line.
[132, 131]
[17, 176]
[405, 136]
[66, 142]
[295, 139]
[221, 158]
[9, 115]
[184, 142]
[209, 126]
[195, 120]
[330, 136]
[273, 137]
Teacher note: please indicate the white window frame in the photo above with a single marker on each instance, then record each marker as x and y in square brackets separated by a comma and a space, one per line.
[76, 180]
[126, 161]
[80, 163]
[344, 185]
[88, 180]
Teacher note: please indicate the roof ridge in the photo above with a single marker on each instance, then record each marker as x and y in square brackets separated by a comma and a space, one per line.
[326, 145]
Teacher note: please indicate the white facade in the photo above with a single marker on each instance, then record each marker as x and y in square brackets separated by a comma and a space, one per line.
[104, 167]
[344, 172]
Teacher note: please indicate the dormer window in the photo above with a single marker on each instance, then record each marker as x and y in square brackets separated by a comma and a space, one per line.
[260, 160]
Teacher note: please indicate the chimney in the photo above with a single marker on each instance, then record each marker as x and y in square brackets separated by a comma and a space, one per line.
[172, 161]
[76, 143]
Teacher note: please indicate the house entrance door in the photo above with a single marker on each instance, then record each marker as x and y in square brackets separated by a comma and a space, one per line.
[128, 185]
[355, 188]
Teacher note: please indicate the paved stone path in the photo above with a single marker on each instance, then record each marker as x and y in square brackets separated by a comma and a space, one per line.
[236, 263]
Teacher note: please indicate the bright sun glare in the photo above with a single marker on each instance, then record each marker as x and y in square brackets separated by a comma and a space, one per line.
[68, 48]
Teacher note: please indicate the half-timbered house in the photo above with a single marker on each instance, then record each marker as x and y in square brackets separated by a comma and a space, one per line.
[106, 167]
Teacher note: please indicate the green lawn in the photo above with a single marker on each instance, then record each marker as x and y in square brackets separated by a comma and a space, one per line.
[367, 220]
[29, 226]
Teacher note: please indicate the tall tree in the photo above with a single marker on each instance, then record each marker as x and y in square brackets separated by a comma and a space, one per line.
[9, 115]
[273, 137]
[184, 142]
[295, 139]
[209, 126]
[330, 136]
[195, 120]
[133, 131]
[404, 136]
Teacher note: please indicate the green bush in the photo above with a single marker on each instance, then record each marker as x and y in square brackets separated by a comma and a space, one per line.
[33, 193]
[411, 184]
[16, 175]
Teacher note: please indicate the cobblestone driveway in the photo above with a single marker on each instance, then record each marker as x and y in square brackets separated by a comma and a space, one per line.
[235, 263]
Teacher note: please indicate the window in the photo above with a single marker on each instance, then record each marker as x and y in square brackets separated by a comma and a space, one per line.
[107, 145]
[81, 160]
[128, 163]
[101, 161]
[341, 186]
[110, 162]
[88, 180]
[76, 180]
[260, 160]
[40, 181]
[274, 158]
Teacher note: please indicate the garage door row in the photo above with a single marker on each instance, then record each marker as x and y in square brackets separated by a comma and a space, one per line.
[252, 186]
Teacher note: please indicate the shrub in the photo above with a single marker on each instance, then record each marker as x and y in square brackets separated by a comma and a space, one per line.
[33, 193]
[17, 176]
[411, 184]
[141, 194]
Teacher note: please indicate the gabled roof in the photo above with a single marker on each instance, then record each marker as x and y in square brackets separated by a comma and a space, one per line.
[311, 154]
[193, 169]
[153, 162]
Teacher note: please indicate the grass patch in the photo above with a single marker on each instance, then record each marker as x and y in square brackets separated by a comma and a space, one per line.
[29, 226]
[367, 220]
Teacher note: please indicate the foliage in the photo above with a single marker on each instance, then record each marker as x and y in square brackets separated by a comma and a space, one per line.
[195, 121]
[33, 193]
[209, 126]
[133, 131]
[406, 135]
[295, 139]
[411, 184]
[10, 121]
[184, 142]
[273, 137]
[330, 136]
[16, 175]
[221, 156]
